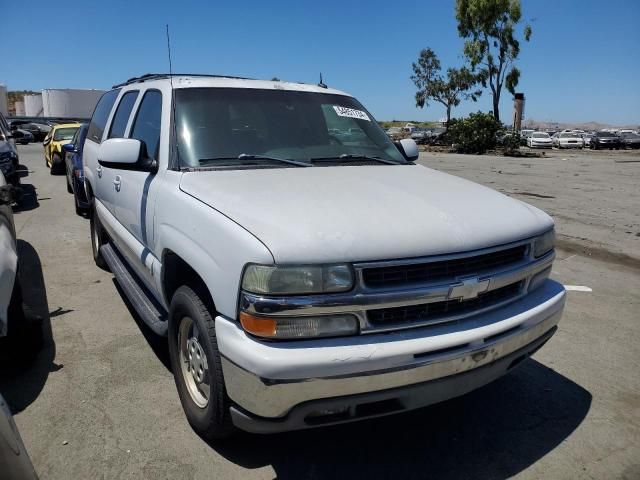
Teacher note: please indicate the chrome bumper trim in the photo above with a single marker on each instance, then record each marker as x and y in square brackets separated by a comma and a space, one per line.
[361, 298]
[275, 397]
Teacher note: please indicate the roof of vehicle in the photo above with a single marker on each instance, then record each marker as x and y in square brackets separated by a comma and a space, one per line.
[66, 125]
[191, 80]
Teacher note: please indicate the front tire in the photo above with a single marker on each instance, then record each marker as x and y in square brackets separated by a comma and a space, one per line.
[55, 163]
[98, 238]
[196, 365]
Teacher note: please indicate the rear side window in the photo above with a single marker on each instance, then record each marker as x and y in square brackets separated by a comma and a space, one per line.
[121, 117]
[101, 115]
[146, 126]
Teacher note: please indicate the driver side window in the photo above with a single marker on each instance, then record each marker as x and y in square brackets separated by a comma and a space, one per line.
[146, 126]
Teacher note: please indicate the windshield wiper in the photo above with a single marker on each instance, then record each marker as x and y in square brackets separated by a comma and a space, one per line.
[245, 156]
[350, 156]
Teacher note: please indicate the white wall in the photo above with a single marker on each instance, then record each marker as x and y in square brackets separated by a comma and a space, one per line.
[33, 105]
[70, 103]
[4, 101]
[19, 106]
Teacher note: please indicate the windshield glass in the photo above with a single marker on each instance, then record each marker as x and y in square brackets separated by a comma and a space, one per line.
[605, 134]
[540, 135]
[64, 133]
[217, 125]
[569, 135]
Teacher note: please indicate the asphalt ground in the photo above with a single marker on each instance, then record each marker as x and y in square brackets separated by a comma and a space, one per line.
[99, 400]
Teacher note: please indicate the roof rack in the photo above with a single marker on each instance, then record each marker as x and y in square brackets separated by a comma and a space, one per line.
[157, 76]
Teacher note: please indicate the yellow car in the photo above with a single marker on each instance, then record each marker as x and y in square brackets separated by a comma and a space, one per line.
[58, 136]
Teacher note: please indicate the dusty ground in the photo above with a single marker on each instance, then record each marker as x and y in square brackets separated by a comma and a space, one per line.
[102, 384]
[594, 196]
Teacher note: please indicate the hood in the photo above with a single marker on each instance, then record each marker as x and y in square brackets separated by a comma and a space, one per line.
[360, 213]
[5, 147]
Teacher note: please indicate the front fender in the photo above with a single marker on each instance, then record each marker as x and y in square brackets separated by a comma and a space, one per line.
[210, 243]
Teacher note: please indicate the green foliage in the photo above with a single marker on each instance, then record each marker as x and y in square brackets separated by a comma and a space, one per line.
[511, 142]
[432, 85]
[492, 46]
[476, 133]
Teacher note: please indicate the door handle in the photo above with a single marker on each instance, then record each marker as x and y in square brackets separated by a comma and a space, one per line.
[117, 183]
[99, 170]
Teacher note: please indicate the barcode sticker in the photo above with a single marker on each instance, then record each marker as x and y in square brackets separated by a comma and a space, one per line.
[351, 113]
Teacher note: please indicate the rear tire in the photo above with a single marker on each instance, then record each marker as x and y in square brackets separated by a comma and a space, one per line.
[98, 238]
[195, 360]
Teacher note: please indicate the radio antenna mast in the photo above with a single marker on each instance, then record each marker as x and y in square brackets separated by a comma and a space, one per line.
[173, 105]
[321, 83]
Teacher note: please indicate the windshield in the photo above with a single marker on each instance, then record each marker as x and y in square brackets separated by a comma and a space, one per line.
[605, 134]
[218, 125]
[64, 133]
[540, 135]
[569, 135]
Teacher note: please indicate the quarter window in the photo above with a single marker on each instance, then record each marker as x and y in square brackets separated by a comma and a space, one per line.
[101, 115]
[146, 126]
[121, 117]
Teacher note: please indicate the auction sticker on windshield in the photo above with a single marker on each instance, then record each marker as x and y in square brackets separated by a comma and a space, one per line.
[351, 113]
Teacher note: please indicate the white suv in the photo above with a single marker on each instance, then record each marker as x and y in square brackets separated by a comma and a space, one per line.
[305, 277]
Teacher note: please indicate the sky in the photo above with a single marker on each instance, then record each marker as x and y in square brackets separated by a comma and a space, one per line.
[582, 63]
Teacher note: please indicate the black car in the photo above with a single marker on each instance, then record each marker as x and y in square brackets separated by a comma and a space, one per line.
[8, 153]
[629, 140]
[75, 171]
[39, 131]
[605, 140]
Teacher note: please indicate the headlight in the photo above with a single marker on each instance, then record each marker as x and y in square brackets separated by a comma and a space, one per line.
[544, 243]
[299, 327]
[292, 280]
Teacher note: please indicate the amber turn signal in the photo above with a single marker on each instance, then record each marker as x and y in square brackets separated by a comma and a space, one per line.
[261, 326]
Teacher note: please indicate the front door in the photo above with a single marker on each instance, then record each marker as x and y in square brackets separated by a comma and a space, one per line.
[135, 192]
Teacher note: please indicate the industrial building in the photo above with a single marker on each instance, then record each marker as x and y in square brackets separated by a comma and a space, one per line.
[52, 103]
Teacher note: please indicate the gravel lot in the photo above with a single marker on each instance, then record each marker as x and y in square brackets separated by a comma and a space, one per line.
[102, 383]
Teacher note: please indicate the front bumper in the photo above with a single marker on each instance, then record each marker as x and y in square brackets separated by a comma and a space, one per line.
[79, 192]
[275, 383]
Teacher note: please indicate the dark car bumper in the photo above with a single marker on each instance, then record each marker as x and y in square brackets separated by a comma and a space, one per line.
[79, 193]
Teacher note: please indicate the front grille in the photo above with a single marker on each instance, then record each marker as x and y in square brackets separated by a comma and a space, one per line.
[436, 311]
[443, 270]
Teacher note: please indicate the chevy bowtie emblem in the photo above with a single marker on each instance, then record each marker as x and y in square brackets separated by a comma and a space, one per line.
[468, 288]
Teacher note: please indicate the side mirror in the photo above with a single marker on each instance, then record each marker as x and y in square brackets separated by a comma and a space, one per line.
[125, 154]
[408, 148]
[69, 147]
[119, 152]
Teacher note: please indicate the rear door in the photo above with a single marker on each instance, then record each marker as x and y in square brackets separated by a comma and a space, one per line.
[94, 172]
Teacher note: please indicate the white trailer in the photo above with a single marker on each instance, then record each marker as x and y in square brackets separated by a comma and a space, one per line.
[69, 103]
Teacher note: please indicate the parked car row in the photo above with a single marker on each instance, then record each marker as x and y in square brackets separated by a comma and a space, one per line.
[580, 139]
[36, 131]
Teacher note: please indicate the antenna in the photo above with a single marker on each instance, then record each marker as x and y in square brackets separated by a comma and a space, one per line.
[321, 84]
[173, 100]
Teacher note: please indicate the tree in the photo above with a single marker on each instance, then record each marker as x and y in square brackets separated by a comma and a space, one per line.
[491, 46]
[432, 86]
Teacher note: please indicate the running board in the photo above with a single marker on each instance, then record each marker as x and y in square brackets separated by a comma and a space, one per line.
[145, 305]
